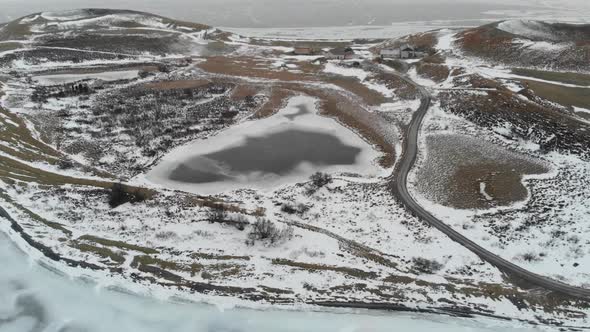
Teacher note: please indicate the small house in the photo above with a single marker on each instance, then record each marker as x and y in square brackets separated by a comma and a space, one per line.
[403, 52]
[340, 54]
[408, 52]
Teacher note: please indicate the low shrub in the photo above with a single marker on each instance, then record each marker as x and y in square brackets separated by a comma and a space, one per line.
[220, 215]
[427, 266]
[120, 194]
[531, 257]
[291, 208]
[268, 232]
[217, 215]
[320, 179]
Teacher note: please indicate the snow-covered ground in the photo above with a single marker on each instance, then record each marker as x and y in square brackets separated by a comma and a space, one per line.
[538, 234]
[352, 240]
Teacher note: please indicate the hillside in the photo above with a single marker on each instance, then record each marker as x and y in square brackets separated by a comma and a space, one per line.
[530, 44]
[124, 32]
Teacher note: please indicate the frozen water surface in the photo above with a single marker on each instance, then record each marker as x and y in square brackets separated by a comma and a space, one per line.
[285, 148]
[34, 297]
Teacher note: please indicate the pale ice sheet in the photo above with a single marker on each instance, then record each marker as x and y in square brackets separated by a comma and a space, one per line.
[69, 78]
[56, 301]
[337, 32]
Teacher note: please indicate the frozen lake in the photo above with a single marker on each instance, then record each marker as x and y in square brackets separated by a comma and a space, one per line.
[285, 148]
[276, 153]
[34, 297]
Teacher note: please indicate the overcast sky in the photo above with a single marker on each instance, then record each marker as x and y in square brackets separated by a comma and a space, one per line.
[301, 13]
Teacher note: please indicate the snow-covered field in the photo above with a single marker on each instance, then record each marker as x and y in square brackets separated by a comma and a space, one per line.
[344, 240]
[551, 243]
[538, 234]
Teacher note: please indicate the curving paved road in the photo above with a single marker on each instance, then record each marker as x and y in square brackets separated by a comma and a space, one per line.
[400, 189]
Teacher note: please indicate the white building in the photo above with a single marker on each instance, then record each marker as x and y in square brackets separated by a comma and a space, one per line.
[390, 53]
[403, 52]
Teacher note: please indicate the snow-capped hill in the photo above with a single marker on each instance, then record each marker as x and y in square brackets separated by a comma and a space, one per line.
[92, 19]
[527, 43]
[543, 31]
[116, 32]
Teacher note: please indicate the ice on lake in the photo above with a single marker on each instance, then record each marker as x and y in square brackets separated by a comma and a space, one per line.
[285, 148]
[57, 79]
[37, 297]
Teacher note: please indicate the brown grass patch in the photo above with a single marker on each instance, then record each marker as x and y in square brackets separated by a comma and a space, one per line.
[456, 166]
[369, 96]
[476, 81]
[253, 67]
[100, 251]
[484, 40]
[435, 59]
[117, 244]
[277, 100]
[562, 77]
[250, 67]
[319, 267]
[435, 72]
[403, 89]
[562, 95]
[10, 46]
[169, 85]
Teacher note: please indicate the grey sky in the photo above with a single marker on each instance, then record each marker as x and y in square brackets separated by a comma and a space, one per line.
[301, 13]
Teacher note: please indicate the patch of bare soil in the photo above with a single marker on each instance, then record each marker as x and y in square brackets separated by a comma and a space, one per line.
[466, 173]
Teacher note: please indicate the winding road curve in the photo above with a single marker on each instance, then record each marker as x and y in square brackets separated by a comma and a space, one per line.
[400, 189]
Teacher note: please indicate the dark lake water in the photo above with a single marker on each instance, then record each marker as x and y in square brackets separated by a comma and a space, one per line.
[278, 153]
